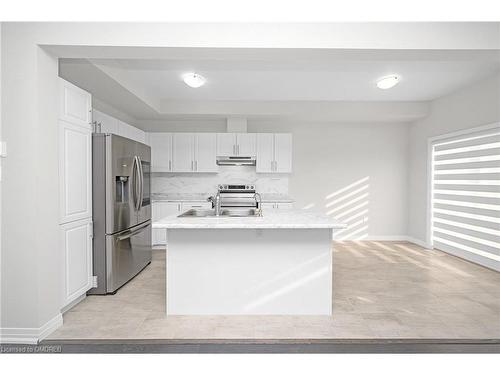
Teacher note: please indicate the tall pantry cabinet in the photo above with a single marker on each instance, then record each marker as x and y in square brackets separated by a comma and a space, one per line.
[75, 190]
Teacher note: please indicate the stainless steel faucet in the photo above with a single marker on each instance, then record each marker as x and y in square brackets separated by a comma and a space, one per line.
[258, 200]
[215, 203]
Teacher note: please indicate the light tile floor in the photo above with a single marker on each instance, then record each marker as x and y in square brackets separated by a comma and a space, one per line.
[381, 290]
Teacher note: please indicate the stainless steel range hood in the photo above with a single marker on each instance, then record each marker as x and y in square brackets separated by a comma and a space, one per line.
[236, 160]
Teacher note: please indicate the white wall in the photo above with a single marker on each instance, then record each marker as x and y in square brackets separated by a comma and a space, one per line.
[31, 272]
[470, 107]
[328, 157]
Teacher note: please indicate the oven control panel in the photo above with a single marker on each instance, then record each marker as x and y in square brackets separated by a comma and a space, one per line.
[229, 187]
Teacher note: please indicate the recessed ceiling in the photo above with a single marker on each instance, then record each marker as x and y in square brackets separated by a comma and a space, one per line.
[152, 87]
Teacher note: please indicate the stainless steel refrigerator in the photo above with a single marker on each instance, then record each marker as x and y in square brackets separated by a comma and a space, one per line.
[121, 210]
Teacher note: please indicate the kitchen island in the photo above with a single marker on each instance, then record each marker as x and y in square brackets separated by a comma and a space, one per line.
[277, 264]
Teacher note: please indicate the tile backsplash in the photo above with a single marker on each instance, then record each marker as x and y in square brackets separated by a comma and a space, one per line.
[206, 183]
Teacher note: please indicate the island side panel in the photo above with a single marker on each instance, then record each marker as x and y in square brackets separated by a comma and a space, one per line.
[249, 272]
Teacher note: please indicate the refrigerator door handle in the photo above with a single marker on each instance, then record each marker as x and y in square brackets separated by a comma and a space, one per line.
[131, 233]
[141, 182]
[135, 183]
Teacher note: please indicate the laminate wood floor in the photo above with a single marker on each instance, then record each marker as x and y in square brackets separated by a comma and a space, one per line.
[381, 290]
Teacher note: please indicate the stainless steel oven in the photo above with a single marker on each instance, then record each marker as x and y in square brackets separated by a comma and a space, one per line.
[237, 196]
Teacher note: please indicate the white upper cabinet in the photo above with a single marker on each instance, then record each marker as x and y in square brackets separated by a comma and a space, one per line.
[274, 153]
[183, 152]
[194, 152]
[246, 144]
[75, 172]
[205, 152]
[226, 144]
[104, 123]
[161, 152]
[75, 104]
[236, 144]
[265, 153]
[75, 153]
[283, 153]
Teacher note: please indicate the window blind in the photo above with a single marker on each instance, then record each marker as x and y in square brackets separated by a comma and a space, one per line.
[465, 206]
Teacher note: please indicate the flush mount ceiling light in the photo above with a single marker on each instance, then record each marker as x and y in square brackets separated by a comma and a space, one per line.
[389, 81]
[193, 80]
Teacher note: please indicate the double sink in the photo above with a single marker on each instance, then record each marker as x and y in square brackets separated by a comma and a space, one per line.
[225, 212]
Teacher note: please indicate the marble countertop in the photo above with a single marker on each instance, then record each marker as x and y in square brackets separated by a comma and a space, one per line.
[172, 197]
[279, 219]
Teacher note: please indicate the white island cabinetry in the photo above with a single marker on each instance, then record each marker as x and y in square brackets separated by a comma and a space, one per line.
[278, 264]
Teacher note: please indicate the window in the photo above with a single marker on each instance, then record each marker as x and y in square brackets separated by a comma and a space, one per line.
[465, 195]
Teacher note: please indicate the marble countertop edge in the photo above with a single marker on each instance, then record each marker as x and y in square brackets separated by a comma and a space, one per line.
[282, 219]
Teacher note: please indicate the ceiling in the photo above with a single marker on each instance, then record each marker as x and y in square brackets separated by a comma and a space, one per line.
[152, 89]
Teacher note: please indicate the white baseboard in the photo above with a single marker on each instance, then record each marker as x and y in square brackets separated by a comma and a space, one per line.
[391, 238]
[74, 303]
[30, 335]
[418, 242]
[385, 238]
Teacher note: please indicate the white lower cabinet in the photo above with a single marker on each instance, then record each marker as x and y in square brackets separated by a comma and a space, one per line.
[76, 243]
[277, 206]
[196, 205]
[160, 210]
[163, 209]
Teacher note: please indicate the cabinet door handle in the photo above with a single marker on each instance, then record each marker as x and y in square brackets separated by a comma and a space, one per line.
[192, 165]
[234, 149]
[170, 165]
[237, 149]
[196, 165]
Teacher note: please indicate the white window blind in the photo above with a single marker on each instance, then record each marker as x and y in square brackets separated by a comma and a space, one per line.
[465, 206]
